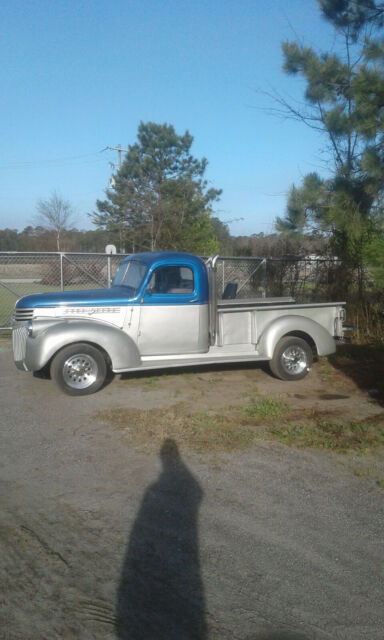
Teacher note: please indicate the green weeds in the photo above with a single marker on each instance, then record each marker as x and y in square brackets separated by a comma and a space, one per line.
[359, 437]
[202, 431]
[238, 427]
[265, 408]
[149, 384]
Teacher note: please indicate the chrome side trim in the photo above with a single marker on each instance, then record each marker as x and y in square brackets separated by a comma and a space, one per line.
[256, 306]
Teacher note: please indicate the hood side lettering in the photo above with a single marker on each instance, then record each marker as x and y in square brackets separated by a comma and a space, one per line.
[90, 310]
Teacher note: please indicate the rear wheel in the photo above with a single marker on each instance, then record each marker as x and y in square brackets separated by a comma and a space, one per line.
[292, 359]
[79, 369]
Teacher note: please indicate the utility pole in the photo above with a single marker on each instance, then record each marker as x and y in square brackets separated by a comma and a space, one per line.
[119, 150]
[112, 186]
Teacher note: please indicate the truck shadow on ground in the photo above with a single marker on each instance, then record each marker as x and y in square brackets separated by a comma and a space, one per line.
[364, 364]
[203, 368]
[161, 593]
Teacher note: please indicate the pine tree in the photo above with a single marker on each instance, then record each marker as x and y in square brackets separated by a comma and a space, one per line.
[160, 199]
[345, 101]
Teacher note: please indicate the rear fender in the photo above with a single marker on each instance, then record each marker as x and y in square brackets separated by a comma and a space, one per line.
[48, 337]
[296, 325]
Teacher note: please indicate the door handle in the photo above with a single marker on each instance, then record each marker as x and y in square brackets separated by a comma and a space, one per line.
[194, 300]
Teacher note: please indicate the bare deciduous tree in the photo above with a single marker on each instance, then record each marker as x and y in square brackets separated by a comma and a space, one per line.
[54, 214]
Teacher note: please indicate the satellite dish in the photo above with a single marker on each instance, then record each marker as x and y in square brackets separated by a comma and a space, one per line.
[110, 248]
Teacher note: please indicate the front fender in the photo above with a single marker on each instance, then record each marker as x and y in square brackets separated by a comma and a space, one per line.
[48, 337]
[286, 325]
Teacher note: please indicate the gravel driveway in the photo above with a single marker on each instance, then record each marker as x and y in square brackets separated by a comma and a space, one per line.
[102, 539]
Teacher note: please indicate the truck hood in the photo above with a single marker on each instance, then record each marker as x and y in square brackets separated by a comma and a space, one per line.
[115, 296]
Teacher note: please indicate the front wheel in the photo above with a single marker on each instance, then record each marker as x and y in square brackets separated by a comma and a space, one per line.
[79, 369]
[292, 359]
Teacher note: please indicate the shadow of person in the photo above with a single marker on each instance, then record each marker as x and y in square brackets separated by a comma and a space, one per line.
[161, 595]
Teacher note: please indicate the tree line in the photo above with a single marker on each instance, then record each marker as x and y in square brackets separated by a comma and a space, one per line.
[39, 238]
[94, 241]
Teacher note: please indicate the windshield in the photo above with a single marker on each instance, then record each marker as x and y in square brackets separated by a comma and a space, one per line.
[130, 274]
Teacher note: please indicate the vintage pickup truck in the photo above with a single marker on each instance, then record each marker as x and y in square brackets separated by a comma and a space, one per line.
[162, 311]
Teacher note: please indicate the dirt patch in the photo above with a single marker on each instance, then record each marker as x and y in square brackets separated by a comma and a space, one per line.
[204, 431]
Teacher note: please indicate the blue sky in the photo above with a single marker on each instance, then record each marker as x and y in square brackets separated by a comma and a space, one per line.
[79, 75]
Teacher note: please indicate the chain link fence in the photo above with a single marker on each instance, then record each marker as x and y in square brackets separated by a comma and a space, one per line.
[24, 273]
[306, 280]
[248, 274]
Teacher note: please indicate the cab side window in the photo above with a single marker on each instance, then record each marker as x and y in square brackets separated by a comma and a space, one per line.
[172, 280]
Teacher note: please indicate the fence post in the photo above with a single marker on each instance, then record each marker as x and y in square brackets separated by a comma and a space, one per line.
[109, 272]
[61, 273]
[264, 278]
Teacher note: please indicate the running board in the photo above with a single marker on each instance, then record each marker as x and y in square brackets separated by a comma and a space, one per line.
[199, 359]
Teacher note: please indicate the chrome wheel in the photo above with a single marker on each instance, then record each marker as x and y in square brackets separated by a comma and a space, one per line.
[294, 360]
[80, 371]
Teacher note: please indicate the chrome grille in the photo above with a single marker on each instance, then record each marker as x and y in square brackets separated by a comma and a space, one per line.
[19, 340]
[22, 315]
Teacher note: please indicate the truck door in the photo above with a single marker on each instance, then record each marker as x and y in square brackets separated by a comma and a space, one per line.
[170, 313]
